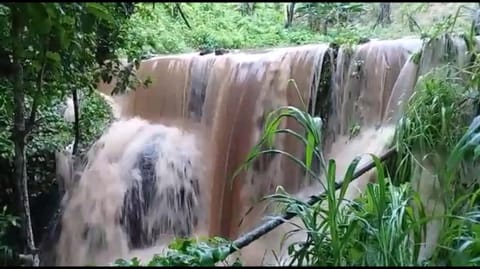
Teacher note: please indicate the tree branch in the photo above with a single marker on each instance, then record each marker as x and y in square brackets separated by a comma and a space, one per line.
[38, 90]
[177, 5]
[413, 22]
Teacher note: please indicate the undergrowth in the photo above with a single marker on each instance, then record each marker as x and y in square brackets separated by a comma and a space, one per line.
[160, 29]
[436, 118]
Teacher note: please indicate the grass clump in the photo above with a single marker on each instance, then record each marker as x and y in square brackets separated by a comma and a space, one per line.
[437, 114]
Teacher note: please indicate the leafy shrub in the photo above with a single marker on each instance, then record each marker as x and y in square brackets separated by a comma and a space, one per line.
[188, 252]
[155, 29]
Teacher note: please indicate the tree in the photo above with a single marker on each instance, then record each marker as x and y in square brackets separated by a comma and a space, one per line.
[19, 130]
[247, 9]
[290, 12]
[321, 15]
[384, 16]
[55, 49]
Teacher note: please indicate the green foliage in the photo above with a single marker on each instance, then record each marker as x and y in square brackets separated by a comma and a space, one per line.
[348, 35]
[52, 134]
[95, 115]
[6, 145]
[155, 30]
[161, 29]
[384, 226]
[374, 230]
[188, 252]
[311, 139]
[62, 49]
[460, 236]
[6, 221]
[320, 15]
[436, 117]
[437, 113]
[363, 232]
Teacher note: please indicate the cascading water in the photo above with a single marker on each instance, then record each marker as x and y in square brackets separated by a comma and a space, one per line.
[216, 107]
[240, 90]
[141, 185]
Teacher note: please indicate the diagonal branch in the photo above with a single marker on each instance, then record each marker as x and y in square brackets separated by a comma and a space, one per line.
[177, 5]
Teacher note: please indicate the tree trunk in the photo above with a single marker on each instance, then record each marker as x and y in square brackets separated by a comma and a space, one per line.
[384, 17]
[324, 27]
[19, 131]
[290, 13]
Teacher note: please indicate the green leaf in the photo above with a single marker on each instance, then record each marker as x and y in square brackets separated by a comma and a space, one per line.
[54, 56]
[88, 23]
[40, 20]
[122, 262]
[99, 11]
[3, 10]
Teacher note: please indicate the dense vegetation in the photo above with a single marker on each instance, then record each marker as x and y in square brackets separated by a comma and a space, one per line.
[162, 30]
[51, 51]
